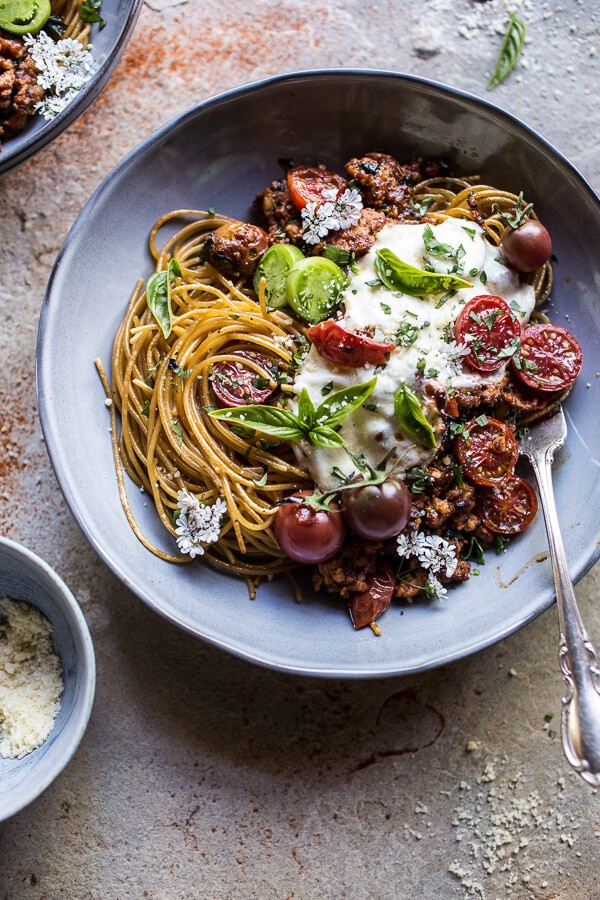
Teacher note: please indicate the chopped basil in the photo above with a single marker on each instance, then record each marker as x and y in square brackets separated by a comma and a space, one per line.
[145, 410]
[422, 208]
[260, 482]
[473, 272]
[387, 309]
[370, 406]
[433, 246]
[327, 388]
[483, 277]
[458, 477]
[515, 307]
[470, 231]
[500, 543]
[482, 420]
[407, 334]
[176, 427]
[176, 368]
[475, 552]
[418, 479]
[374, 283]
[457, 428]
[444, 299]
[211, 210]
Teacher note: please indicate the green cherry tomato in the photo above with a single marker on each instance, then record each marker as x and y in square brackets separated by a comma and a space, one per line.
[274, 267]
[313, 287]
[24, 16]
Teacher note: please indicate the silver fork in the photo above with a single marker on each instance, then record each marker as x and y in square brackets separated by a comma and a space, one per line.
[581, 703]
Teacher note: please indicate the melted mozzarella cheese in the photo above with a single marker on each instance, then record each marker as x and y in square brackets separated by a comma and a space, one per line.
[374, 431]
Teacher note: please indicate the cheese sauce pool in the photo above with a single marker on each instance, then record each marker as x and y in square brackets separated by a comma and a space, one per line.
[373, 430]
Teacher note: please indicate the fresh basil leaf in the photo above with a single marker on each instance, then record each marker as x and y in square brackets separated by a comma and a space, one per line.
[306, 409]
[411, 417]
[176, 427]
[337, 255]
[272, 420]
[90, 12]
[510, 51]
[145, 410]
[341, 403]
[433, 246]
[323, 436]
[158, 295]
[400, 276]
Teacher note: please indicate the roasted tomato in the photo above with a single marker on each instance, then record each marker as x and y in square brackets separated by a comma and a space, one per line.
[343, 348]
[486, 325]
[237, 246]
[510, 507]
[377, 511]
[306, 534]
[366, 606]
[527, 247]
[307, 183]
[550, 358]
[238, 384]
[487, 451]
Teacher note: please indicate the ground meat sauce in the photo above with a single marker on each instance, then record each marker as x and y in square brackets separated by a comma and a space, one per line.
[19, 90]
[445, 503]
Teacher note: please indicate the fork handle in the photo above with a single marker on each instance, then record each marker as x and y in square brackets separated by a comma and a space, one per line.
[581, 703]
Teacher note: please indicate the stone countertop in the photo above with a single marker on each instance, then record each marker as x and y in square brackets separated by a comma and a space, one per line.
[201, 775]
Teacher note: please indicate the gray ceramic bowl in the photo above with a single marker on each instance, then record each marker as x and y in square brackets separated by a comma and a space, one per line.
[220, 154]
[24, 576]
[108, 45]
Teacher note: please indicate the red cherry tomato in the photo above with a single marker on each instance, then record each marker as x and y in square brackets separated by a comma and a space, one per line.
[366, 606]
[550, 358]
[486, 325]
[309, 535]
[237, 384]
[307, 183]
[377, 511]
[510, 507]
[488, 452]
[527, 247]
[343, 348]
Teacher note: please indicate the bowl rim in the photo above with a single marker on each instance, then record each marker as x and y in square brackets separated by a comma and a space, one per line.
[79, 717]
[229, 645]
[37, 140]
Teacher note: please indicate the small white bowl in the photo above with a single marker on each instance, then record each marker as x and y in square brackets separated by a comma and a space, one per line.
[26, 577]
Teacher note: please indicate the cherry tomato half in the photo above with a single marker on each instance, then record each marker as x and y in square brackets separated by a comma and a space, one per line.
[307, 183]
[527, 247]
[309, 535]
[237, 384]
[343, 348]
[550, 358]
[510, 507]
[488, 452]
[486, 325]
[377, 511]
[366, 606]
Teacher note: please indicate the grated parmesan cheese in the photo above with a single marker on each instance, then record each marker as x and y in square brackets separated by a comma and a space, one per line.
[30, 679]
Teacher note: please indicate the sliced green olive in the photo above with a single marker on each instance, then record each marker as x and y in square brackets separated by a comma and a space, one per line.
[274, 267]
[313, 287]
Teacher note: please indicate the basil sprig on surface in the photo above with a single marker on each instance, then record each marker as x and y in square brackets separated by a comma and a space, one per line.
[158, 295]
[400, 276]
[433, 246]
[510, 51]
[315, 425]
[411, 418]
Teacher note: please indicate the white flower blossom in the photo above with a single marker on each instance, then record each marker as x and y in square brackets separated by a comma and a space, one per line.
[348, 208]
[434, 553]
[197, 523]
[334, 212]
[452, 355]
[64, 67]
[435, 589]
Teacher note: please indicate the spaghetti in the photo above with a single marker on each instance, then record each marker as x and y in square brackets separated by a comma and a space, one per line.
[162, 387]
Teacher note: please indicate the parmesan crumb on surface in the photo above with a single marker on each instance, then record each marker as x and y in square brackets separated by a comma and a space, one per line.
[30, 679]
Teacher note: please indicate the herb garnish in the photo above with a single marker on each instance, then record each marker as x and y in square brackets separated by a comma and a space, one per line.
[315, 425]
[158, 295]
[510, 51]
[411, 418]
[397, 275]
[90, 12]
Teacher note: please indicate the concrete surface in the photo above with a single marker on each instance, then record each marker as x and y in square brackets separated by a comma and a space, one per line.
[201, 776]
